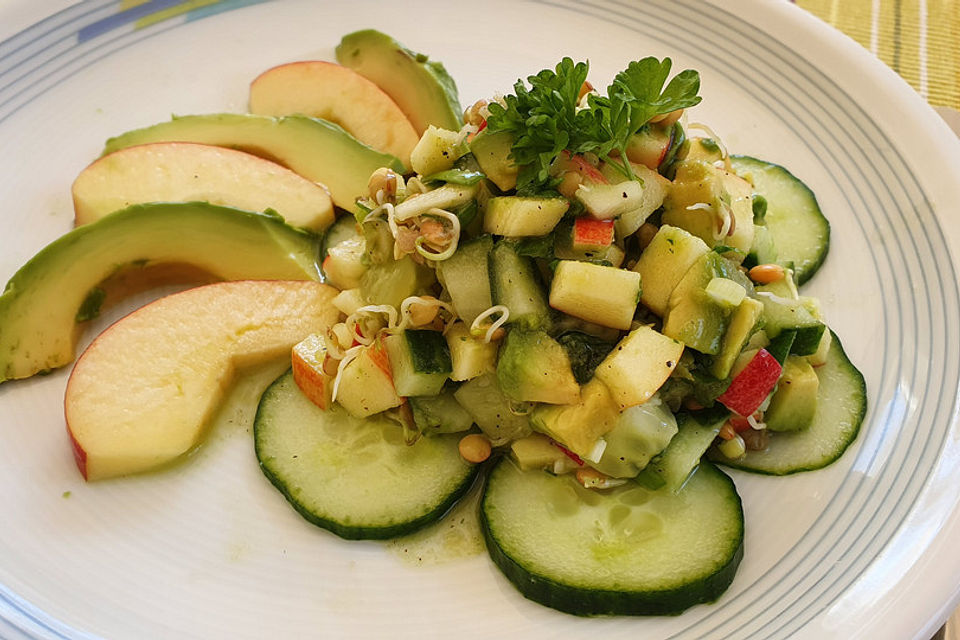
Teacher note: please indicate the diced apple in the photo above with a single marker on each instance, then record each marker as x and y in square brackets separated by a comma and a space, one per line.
[471, 356]
[307, 358]
[639, 365]
[191, 172]
[605, 295]
[751, 385]
[591, 234]
[336, 93]
[535, 452]
[143, 391]
[436, 151]
[366, 384]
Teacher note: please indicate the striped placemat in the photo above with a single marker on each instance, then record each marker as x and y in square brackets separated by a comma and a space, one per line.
[919, 39]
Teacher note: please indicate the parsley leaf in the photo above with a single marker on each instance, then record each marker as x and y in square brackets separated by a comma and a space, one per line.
[547, 120]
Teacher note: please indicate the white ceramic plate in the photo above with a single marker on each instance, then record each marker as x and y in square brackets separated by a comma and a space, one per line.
[864, 548]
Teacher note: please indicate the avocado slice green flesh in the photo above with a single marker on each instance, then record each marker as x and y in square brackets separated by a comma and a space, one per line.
[43, 305]
[422, 88]
[316, 149]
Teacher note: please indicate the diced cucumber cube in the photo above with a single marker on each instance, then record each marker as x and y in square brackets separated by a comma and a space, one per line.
[419, 361]
[726, 292]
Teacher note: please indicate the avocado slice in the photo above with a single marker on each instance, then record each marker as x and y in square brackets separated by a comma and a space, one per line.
[421, 87]
[44, 304]
[316, 149]
[692, 317]
[533, 367]
[793, 404]
[581, 424]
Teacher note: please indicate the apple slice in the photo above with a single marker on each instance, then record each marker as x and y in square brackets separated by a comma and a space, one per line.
[143, 391]
[752, 384]
[190, 172]
[338, 94]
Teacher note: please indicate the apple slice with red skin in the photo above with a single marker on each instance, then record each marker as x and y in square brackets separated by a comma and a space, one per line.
[143, 392]
[192, 172]
[751, 386]
[339, 94]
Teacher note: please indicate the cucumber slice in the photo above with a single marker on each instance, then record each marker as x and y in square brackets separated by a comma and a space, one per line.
[800, 231]
[841, 405]
[626, 551]
[354, 477]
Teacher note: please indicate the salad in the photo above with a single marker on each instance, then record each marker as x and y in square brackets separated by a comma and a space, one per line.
[576, 297]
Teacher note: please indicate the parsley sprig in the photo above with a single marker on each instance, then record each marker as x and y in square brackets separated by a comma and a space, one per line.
[546, 121]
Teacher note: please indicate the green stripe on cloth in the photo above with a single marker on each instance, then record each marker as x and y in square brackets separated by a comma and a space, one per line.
[919, 39]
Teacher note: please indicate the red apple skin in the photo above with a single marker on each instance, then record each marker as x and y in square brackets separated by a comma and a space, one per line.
[753, 384]
[589, 233]
[78, 454]
[315, 385]
[378, 354]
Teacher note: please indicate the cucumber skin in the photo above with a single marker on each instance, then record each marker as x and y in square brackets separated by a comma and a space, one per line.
[602, 602]
[743, 464]
[805, 271]
[349, 532]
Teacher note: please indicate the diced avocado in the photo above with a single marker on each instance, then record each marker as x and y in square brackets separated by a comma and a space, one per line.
[641, 432]
[436, 151]
[701, 196]
[470, 356]
[639, 365]
[517, 216]
[514, 283]
[491, 409]
[607, 296]
[702, 149]
[492, 152]
[466, 277]
[421, 87]
[536, 451]
[316, 149]
[794, 401]
[693, 317]
[419, 361]
[663, 263]
[780, 314]
[533, 367]
[366, 385]
[743, 321]
[581, 425]
[563, 248]
[44, 301]
[393, 281]
[440, 414]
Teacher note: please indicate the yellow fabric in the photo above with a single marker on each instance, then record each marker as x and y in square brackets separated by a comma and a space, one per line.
[919, 39]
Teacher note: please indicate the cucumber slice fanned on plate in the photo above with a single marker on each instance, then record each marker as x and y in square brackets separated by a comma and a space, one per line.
[841, 405]
[624, 551]
[799, 229]
[355, 477]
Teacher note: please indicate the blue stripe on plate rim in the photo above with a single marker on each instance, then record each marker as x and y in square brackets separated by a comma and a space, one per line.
[880, 195]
